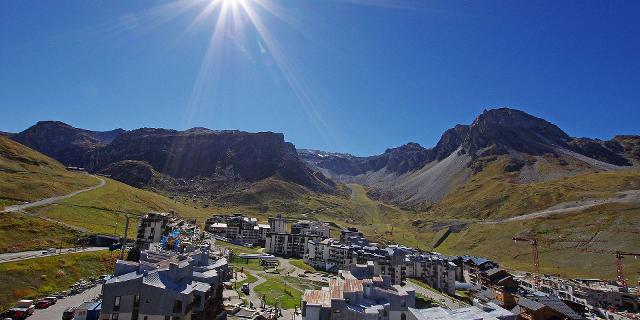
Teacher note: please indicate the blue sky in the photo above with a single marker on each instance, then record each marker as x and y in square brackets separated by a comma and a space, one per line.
[354, 76]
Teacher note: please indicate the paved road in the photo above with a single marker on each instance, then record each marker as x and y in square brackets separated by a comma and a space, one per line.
[16, 256]
[55, 311]
[47, 201]
[451, 303]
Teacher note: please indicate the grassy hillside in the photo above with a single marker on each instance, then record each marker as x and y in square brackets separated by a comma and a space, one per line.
[494, 194]
[27, 175]
[90, 210]
[41, 276]
[612, 223]
[20, 232]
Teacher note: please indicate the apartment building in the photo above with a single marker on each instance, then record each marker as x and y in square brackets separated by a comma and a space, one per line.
[472, 267]
[589, 293]
[350, 297]
[488, 311]
[278, 224]
[165, 285]
[397, 262]
[281, 242]
[288, 244]
[352, 236]
[238, 228]
[540, 307]
[433, 269]
[151, 229]
[311, 228]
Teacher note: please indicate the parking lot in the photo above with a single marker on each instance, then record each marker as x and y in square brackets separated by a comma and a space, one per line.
[54, 312]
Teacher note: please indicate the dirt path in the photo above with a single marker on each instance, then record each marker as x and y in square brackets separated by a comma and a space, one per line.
[629, 196]
[47, 201]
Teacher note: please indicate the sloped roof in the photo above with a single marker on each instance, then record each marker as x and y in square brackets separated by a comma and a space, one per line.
[559, 306]
[319, 297]
[530, 304]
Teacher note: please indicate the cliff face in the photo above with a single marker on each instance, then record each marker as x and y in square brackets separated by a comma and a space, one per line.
[216, 155]
[63, 142]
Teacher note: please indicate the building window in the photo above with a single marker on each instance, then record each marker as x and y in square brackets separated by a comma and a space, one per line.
[177, 306]
[136, 307]
[116, 304]
[114, 316]
[403, 316]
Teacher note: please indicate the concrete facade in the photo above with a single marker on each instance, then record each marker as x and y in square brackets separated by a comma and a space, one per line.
[349, 297]
[151, 228]
[238, 228]
[163, 285]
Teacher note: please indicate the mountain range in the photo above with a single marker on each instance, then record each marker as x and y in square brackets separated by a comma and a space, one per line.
[200, 162]
[533, 149]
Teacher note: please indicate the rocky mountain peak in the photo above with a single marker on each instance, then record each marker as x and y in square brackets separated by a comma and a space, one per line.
[499, 131]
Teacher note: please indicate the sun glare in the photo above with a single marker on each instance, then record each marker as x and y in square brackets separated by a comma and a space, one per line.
[240, 25]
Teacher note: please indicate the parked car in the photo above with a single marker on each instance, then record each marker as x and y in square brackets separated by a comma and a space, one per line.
[22, 310]
[42, 304]
[245, 288]
[69, 313]
[52, 299]
[27, 306]
[15, 314]
[6, 314]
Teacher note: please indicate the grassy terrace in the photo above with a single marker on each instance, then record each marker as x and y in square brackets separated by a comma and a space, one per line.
[274, 292]
[41, 276]
[236, 248]
[245, 264]
[299, 263]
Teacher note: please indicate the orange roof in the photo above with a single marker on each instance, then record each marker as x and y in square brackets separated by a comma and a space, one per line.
[319, 297]
[335, 289]
[352, 285]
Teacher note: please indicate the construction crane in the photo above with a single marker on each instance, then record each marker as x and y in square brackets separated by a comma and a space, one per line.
[535, 250]
[619, 256]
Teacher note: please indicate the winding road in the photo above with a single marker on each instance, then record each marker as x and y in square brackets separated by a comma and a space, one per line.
[47, 201]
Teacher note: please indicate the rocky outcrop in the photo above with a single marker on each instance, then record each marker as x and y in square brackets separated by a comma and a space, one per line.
[134, 173]
[65, 143]
[630, 146]
[605, 151]
[500, 131]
